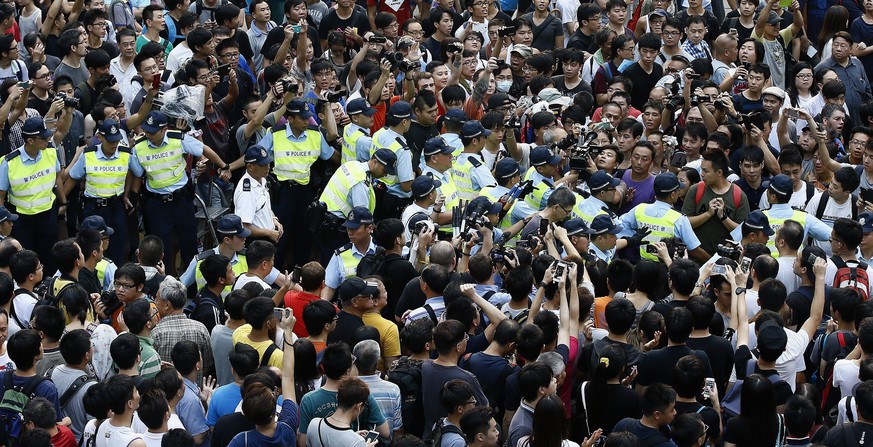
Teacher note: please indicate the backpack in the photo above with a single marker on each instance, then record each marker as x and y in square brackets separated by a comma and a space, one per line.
[265, 360]
[854, 277]
[13, 402]
[127, 19]
[730, 404]
[701, 188]
[46, 293]
[823, 203]
[371, 263]
[407, 376]
[440, 429]
[199, 7]
[830, 395]
[23, 324]
[521, 318]
[192, 305]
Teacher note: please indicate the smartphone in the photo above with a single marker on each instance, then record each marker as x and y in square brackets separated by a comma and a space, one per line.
[372, 436]
[156, 81]
[223, 70]
[296, 28]
[680, 250]
[24, 84]
[709, 385]
[544, 226]
[867, 195]
[745, 264]
[791, 113]
[559, 271]
[811, 259]
[651, 249]
[279, 313]
[719, 269]
[295, 274]
[733, 31]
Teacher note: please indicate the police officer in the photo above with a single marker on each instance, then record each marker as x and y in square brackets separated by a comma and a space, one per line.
[28, 176]
[392, 201]
[352, 186]
[295, 146]
[104, 168]
[507, 174]
[602, 187]
[168, 201]
[7, 221]
[543, 172]
[469, 171]
[344, 262]
[779, 193]
[105, 268]
[356, 135]
[438, 162]
[663, 220]
[233, 236]
[251, 198]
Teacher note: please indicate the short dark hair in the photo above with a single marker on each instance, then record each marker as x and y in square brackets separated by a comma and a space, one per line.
[75, 345]
[66, 254]
[259, 251]
[124, 350]
[118, 390]
[152, 408]
[198, 37]
[23, 264]
[849, 231]
[316, 315]
[455, 393]
[679, 323]
[387, 231]
[257, 311]
[336, 360]
[49, 320]
[351, 391]
[213, 268]
[702, 309]
[476, 420]
[96, 59]
[243, 359]
[620, 315]
[657, 397]
[800, 416]
[151, 250]
[447, 335]
[169, 382]
[132, 272]
[136, 315]
[683, 275]
[68, 39]
[185, 356]
[689, 374]
[532, 377]
[416, 334]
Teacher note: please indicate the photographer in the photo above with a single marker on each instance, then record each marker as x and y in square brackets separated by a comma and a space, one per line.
[508, 174]
[662, 220]
[428, 202]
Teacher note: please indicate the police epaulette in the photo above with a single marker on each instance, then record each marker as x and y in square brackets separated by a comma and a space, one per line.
[346, 247]
[90, 149]
[175, 134]
[402, 143]
[474, 161]
[205, 254]
[140, 140]
[277, 127]
[124, 149]
[11, 156]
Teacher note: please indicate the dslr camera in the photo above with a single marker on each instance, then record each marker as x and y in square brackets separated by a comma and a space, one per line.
[288, 86]
[506, 31]
[729, 251]
[69, 101]
[336, 95]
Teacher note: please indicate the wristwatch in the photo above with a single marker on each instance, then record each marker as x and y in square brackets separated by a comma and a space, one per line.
[740, 290]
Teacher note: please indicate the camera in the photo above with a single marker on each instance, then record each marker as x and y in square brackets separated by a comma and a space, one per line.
[501, 253]
[420, 227]
[457, 47]
[729, 251]
[506, 31]
[512, 123]
[406, 66]
[651, 249]
[501, 64]
[675, 102]
[753, 118]
[697, 99]
[69, 101]
[288, 86]
[110, 301]
[377, 39]
[336, 95]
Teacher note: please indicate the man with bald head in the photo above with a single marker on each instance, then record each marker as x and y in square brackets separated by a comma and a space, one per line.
[724, 51]
[441, 253]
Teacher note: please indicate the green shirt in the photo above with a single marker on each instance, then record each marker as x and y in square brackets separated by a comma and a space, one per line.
[150, 361]
[321, 403]
[141, 40]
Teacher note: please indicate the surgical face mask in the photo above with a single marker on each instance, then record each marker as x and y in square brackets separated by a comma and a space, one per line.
[504, 86]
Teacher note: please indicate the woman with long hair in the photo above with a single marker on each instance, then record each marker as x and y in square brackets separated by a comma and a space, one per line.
[307, 376]
[836, 19]
[550, 426]
[647, 286]
[758, 425]
[605, 400]
[77, 305]
[803, 89]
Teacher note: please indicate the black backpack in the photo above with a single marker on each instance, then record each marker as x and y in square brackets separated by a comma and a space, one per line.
[371, 263]
[440, 429]
[407, 376]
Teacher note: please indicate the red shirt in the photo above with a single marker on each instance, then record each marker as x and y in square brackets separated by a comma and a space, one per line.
[64, 437]
[402, 13]
[297, 301]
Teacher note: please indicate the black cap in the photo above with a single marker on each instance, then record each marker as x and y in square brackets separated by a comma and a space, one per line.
[353, 287]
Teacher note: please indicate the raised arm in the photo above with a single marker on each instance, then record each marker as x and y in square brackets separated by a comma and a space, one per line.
[287, 324]
[375, 95]
[495, 316]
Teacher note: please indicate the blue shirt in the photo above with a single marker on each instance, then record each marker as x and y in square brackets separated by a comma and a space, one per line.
[404, 161]
[224, 401]
[285, 434]
[190, 145]
[606, 256]
[335, 272]
[813, 227]
[481, 175]
[27, 161]
[681, 227]
[363, 143]
[77, 172]
[592, 206]
[267, 142]
[190, 411]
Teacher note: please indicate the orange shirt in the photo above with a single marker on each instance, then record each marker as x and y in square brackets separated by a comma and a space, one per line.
[600, 311]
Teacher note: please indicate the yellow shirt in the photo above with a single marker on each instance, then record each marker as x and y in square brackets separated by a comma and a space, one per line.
[388, 333]
[241, 335]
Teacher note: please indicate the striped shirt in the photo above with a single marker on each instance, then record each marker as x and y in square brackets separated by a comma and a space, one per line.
[387, 395]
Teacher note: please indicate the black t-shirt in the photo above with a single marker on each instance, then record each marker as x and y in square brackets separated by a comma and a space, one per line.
[396, 273]
[245, 46]
[346, 324]
[732, 20]
[721, 358]
[52, 47]
[545, 33]
[753, 194]
[39, 105]
[643, 82]
[415, 139]
[582, 86]
[649, 437]
[657, 365]
[229, 426]
[712, 25]
[800, 301]
[332, 22]
[412, 296]
[582, 42]
[605, 407]
[591, 355]
[848, 435]
[277, 35]
[108, 47]
[209, 309]
[89, 281]
[665, 308]
[710, 417]
[741, 359]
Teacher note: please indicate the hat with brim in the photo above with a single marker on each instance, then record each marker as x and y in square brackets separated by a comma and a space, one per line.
[353, 287]
[96, 223]
[387, 159]
[35, 127]
[358, 217]
[758, 221]
[603, 224]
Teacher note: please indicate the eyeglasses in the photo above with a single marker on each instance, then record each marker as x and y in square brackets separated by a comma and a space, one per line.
[229, 55]
[857, 143]
[804, 76]
[415, 33]
[671, 33]
[155, 314]
[127, 44]
[44, 77]
[123, 286]
[470, 402]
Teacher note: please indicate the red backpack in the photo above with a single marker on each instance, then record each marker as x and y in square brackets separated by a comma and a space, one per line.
[854, 277]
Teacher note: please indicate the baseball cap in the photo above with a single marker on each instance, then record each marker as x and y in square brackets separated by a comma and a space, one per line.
[473, 129]
[7, 215]
[400, 109]
[758, 221]
[258, 155]
[498, 100]
[576, 227]
[865, 219]
[360, 106]
[387, 158]
[522, 50]
[35, 127]
[553, 96]
[455, 116]
[775, 91]
[353, 287]
[298, 107]
[507, 168]
[424, 185]
[358, 216]
[96, 223]
[436, 145]
[154, 123]
[542, 155]
[602, 179]
[231, 225]
[661, 12]
[603, 224]
[772, 18]
[781, 185]
[667, 182]
[110, 130]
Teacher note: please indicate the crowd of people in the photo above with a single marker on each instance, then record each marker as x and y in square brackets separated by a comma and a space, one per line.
[514, 223]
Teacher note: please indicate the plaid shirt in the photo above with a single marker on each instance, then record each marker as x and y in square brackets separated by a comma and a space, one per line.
[699, 51]
[175, 328]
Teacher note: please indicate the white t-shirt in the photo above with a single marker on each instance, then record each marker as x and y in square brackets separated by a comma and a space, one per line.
[152, 439]
[790, 362]
[178, 56]
[752, 306]
[109, 435]
[410, 211]
[832, 212]
[140, 428]
[244, 279]
[24, 304]
[786, 273]
[798, 199]
[846, 376]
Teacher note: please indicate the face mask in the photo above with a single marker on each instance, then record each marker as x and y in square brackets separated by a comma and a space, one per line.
[503, 86]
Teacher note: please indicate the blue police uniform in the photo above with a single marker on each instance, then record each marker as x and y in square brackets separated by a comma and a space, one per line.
[681, 228]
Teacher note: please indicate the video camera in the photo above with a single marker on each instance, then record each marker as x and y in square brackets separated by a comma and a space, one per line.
[582, 150]
[729, 251]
